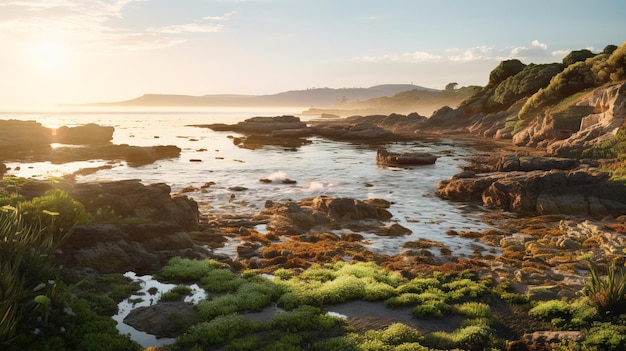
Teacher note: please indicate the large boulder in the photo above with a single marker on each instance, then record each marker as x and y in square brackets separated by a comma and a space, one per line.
[581, 191]
[87, 134]
[122, 247]
[134, 200]
[321, 213]
[387, 158]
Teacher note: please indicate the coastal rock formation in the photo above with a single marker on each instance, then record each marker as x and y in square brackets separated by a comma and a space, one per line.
[137, 227]
[387, 158]
[259, 125]
[30, 140]
[581, 191]
[289, 130]
[131, 199]
[609, 114]
[87, 134]
[321, 212]
[118, 248]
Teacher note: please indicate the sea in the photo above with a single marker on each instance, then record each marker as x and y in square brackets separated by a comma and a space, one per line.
[321, 167]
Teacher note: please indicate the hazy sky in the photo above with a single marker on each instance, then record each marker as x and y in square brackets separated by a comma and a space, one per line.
[79, 51]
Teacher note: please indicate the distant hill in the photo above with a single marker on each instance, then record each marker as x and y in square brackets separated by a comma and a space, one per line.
[315, 97]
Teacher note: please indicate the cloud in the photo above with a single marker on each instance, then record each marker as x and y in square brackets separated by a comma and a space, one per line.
[92, 26]
[204, 25]
[476, 53]
[417, 56]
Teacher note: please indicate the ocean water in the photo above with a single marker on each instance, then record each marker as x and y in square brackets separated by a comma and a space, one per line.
[323, 167]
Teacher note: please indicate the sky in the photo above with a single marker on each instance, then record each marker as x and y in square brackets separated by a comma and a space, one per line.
[83, 51]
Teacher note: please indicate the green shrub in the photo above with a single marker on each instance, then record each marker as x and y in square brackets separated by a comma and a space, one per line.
[419, 285]
[436, 309]
[607, 336]
[177, 293]
[475, 337]
[473, 310]
[336, 344]
[217, 332]
[182, 269]
[27, 270]
[220, 281]
[55, 210]
[303, 318]
[607, 293]
[408, 299]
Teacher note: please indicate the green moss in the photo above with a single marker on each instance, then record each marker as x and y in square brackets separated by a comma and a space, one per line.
[475, 337]
[435, 309]
[473, 310]
[607, 336]
[177, 293]
[55, 210]
[181, 269]
[216, 332]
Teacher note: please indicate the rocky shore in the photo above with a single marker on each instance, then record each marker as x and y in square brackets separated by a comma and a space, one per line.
[550, 213]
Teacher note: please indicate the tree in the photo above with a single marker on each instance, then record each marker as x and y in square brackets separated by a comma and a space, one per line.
[451, 86]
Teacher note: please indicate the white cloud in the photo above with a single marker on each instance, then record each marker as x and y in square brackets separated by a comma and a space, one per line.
[205, 25]
[91, 25]
[417, 56]
[476, 53]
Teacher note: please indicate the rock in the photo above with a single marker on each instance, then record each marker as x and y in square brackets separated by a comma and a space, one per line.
[356, 132]
[579, 191]
[163, 319]
[260, 125]
[387, 158]
[110, 248]
[395, 230]
[527, 163]
[87, 134]
[23, 138]
[131, 199]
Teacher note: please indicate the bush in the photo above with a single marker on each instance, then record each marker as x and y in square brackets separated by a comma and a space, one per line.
[217, 332]
[608, 293]
[182, 269]
[27, 270]
[607, 336]
[55, 210]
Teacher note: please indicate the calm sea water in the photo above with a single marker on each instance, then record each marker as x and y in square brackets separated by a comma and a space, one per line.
[321, 168]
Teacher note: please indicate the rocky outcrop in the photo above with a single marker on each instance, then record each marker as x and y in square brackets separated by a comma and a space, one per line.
[355, 132]
[259, 125]
[320, 213]
[609, 106]
[580, 191]
[118, 248]
[130, 199]
[138, 227]
[83, 135]
[290, 131]
[30, 140]
[387, 158]
[163, 319]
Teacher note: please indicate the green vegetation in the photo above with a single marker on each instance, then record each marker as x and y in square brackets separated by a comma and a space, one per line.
[594, 71]
[607, 293]
[38, 310]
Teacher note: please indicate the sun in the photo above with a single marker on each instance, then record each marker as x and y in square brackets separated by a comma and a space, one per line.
[50, 56]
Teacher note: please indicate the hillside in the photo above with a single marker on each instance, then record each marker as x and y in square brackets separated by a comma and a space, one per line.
[315, 97]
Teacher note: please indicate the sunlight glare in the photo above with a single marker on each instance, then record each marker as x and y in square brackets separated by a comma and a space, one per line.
[50, 56]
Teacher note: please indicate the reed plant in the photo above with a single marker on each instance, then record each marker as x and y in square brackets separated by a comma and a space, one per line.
[27, 271]
[607, 292]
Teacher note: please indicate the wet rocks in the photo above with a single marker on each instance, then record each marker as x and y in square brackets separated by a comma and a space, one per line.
[163, 319]
[83, 135]
[563, 190]
[387, 158]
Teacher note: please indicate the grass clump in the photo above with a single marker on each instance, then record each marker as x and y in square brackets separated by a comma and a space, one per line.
[177, 293]
[564, 315]
[186, 270]
[606, 336]
[473, 337]
[607, 293]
